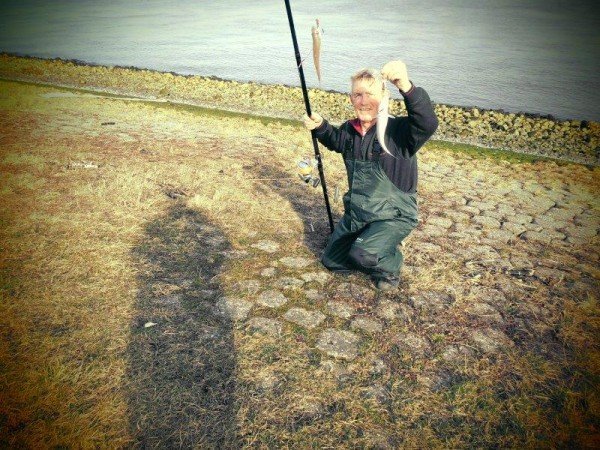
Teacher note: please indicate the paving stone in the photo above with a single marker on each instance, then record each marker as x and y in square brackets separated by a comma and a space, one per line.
[269, 272]
[288, 283]
[233, 308]
[340, 309]
[514, 228]
[547, 236]
[470, 210]
[467, 229]
[503, 236]
[462, 236]
[378, 366]
[441, 222]
[305, 318]
[520, 261]
[484, 312]
[208, 293]
[313, 294]
[588, 220]
[520, 218]
[584, 289]
[339, 343]
[505, 209]
[235, 254]
[455, 197]
[296, 262]
[487, 295]
[266, 246]
[493, 213]
[458, 216]
[486, 222]
[377, 392]
[355, 292]
[173, 300]
[579, 235]
[431, 301]
[577, 240]
[490, 340]
[551, 276]
[434, 231]
[319, 277]
[388, 310]
[271, 299]
[213, 241]
[248, 286]
[307, 409]
[533, 227]
[480, 252]
[521, 197]
[335, 369]
[415, 344]
[482, 206]
[540, 204]
[271, 327]
[457, 354]
[563, 214]
[497, 244]
[267, 381]
[367, 324]
[548, 222]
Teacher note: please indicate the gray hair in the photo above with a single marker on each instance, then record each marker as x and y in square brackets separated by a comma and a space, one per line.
[368, 74]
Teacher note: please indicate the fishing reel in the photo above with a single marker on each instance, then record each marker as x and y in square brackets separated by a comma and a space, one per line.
[306, 172]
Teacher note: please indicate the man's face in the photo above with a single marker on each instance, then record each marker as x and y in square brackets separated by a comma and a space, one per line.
[365, 97]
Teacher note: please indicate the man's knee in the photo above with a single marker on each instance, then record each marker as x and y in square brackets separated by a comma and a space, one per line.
[362, 258]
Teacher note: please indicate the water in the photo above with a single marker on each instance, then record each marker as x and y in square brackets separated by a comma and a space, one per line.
[537, 56]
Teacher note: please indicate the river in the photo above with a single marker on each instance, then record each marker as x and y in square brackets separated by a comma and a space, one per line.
[531, 56]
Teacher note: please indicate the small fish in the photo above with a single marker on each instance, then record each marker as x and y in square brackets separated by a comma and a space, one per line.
[382, 119]
[316, 38]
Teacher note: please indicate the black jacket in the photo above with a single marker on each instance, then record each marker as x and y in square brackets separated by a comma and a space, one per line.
[403, 137]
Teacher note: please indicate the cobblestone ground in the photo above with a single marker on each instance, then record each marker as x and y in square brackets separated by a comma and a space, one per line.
[501, 251]
[508, 232]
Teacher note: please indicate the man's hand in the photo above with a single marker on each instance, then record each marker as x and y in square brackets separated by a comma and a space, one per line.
[312, 122]
[396, 72]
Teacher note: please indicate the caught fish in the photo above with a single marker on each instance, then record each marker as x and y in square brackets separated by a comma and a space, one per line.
[316, 38]
[382, 119]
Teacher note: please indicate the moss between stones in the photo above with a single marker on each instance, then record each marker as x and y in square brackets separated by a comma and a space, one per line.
[524, 133]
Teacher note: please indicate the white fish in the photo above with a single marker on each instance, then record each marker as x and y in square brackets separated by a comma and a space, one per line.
[316, 38]
[382, 119]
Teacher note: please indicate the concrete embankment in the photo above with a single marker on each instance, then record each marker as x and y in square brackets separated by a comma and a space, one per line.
[572, 140]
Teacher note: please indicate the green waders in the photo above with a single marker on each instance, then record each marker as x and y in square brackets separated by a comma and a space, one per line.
[378, 216]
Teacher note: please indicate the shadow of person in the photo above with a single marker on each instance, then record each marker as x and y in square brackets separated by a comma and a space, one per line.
[181, 357]
[310, 208]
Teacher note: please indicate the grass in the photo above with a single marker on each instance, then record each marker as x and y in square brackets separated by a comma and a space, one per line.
[91, 256]
[495, 153]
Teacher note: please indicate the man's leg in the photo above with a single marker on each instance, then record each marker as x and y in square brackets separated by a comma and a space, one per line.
[376, 250]
[335, 256]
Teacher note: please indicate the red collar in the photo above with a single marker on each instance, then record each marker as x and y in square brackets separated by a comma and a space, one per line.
[356, 124]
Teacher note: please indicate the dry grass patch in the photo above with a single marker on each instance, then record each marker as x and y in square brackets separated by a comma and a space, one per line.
[125, 223]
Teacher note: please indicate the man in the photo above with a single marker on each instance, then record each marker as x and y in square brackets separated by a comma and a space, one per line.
[380, 207]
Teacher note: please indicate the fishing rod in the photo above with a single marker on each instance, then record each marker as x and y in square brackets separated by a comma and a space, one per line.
[308, 111]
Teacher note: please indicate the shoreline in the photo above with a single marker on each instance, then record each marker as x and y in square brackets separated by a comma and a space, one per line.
[82, 63]
[528, 133]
